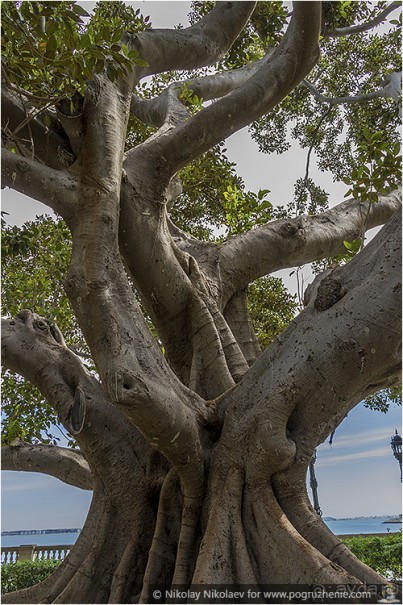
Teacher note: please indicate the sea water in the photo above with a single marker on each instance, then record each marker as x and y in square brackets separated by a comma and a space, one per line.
[40, 539]
[363, 525]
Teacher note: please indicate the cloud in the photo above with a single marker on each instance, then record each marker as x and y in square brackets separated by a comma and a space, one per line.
[363, 454]
[366, 437]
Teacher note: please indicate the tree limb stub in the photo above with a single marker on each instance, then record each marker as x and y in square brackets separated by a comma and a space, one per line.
[65, 464]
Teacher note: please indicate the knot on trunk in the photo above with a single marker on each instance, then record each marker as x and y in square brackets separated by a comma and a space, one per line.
[329, 293]
[127, 388]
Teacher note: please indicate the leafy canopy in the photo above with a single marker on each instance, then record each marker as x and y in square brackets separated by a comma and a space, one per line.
[51, 49]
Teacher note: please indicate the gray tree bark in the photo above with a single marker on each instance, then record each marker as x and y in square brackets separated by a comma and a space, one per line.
[197, 459]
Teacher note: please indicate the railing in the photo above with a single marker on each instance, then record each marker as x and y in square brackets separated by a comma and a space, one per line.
[32, 552]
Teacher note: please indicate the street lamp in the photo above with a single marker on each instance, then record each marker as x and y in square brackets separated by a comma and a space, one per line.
[314, 482]
[396, 445]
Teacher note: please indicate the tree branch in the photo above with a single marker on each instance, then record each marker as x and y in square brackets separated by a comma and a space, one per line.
[178, 296]
[54, 188]
[35, 349]
[292, 242]
[362, 27]
[132, 368]
[167, 107]
[320, 367]
[391, 89]
[282, 70]
[65, 464]
[196, 46]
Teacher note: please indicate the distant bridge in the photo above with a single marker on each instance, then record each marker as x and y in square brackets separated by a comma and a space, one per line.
[37, 532]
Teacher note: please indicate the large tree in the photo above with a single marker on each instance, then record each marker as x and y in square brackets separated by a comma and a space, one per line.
[196, 443]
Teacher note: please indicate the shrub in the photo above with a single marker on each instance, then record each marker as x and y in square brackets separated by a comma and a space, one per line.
[23, 574]
[382, 553]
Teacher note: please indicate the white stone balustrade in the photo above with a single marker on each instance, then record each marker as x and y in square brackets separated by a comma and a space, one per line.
[32, 552]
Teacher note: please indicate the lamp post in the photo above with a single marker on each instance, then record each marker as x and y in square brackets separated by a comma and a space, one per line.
[314, 483]
[396, 445]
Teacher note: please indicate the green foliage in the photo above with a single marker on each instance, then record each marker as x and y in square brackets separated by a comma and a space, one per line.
[24, 574]
[308, 198]
[381, 553]
[379, 171]
[381, 401]
[189, 98]
[214, 199]
[25, 414]
[201, 208]
[51, 49]
[342, 14]
[245, 210]
[353, 247]
[271, 308]
[35, 259]
[348, 66]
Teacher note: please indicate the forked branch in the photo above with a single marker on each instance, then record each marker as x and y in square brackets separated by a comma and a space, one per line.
[278, 74]
[319, 368]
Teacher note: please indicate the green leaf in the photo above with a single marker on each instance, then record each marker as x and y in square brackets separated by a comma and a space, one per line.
[262, 193]
[367, 133]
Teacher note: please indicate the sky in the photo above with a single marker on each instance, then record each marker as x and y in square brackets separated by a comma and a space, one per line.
[357, 475]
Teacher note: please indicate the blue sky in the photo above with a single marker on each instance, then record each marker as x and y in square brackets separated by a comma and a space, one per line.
[357, 475]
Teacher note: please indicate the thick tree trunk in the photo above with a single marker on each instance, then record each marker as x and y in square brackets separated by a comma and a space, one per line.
[252, 522]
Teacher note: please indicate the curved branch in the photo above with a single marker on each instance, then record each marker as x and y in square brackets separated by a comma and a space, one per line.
[168, 107]
[52, 187]
[115, 450]
[291, 242]
[280, 73]
[65, 464]
[391, 89]
[196, 46]
[362, 27]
